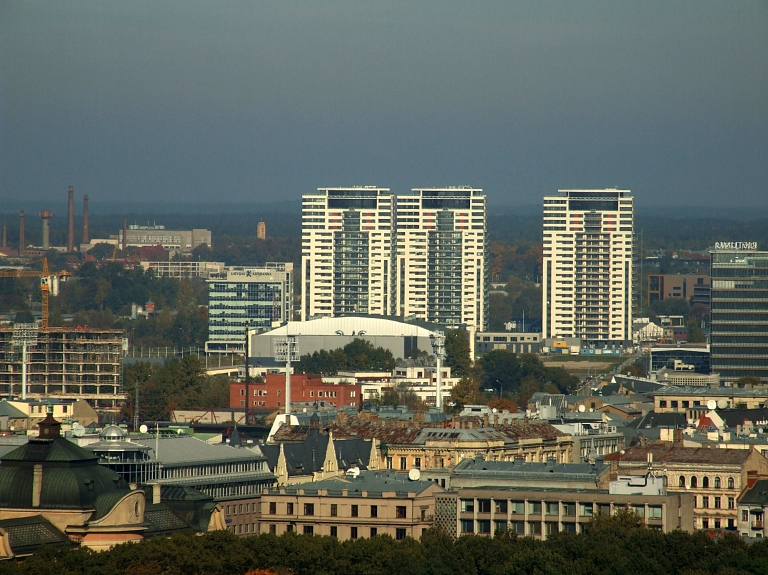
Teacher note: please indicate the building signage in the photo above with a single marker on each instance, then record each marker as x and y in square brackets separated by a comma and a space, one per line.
[251, 274]
[735, 245]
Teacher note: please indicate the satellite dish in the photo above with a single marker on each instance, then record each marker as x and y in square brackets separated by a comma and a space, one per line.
[722, 404]
[143, 428]
[494, 410]
[78, 430]
[582, 409]
[711, 404]
[414, 474]
[179, 431]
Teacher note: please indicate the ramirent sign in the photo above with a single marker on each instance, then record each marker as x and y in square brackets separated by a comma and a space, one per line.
[735, 245]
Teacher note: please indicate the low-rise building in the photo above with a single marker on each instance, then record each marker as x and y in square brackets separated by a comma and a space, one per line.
[696, 400]
[515, 342]
[184, 269]
[270, 394]
[363, 504]
[183, 241]
[753, 507]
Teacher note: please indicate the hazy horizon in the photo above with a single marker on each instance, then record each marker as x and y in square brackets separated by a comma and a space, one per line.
[239, 102]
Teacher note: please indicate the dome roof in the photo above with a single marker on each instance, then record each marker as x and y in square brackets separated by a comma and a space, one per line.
[112, 433]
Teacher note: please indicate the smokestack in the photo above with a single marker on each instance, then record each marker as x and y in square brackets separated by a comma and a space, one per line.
[46, 215]
[21, 233]
[125, 233]
[86, 233]
[71, 215]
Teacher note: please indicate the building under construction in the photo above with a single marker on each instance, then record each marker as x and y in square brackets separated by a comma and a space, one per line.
[77, 363]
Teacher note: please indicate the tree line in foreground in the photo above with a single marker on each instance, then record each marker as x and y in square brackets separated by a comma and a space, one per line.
[610, 545]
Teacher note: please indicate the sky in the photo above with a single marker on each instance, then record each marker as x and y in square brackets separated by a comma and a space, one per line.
[233, 102]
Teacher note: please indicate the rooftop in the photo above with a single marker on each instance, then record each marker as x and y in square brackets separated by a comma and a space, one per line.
[373, 482]
[182, 450]
[697, 390]
[664, 453]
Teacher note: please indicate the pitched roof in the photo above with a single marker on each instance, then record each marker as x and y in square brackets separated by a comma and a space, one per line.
[757, 494]
[373, 482]
[182, 450]
[663, 453]
[27, 534]
[734, 417]
[308, 456]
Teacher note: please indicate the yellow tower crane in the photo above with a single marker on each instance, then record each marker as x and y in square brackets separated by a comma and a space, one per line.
[46, 279]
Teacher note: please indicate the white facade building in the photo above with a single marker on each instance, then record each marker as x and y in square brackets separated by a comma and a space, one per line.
[441, 274]
[587, 275]
[346, 243]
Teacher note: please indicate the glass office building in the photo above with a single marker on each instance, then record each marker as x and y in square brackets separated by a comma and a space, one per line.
[739, 306]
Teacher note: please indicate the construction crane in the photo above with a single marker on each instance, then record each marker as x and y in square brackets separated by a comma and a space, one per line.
[46, 281]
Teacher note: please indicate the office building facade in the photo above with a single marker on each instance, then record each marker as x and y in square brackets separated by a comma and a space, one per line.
[441, 274]
[346, 253]
[260, 297]
[739, 311]
[587, 261]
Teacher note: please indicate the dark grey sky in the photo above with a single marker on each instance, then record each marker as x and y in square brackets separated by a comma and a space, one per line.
[261, 101]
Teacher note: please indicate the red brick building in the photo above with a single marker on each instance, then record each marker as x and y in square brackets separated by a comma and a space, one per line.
[304, 388]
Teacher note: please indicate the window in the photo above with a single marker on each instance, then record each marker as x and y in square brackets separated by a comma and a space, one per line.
[705, 502]
[681, 481]
[389, 463]
[399, 533]
[717, 503]
[552, 508]
[240, 508]
[400, 512]
[309, 509]
[354, 512]
[228, 510]
[467, 526]
[272, 508]
[500, 505]
[730, 483]
[289, 508]
[334, 531]
[353, 532]
[534, 507]
[534, 527]
[467, 505]
[517, 507]
[309, 530]
[731, 503]
[289, 528]
[403, 464]
[639, 510]
[586, 510]
[272, 528]
[717, 524]
[705, 482]
[334, 510]
[569, 508]
[417, 462]
[604, 509]
[483, 505]
[705, 523]
[745, 515]
[717, 483]
[654, 512]
[374, 510]
[374, 532]
[500, 526]
[694, 482]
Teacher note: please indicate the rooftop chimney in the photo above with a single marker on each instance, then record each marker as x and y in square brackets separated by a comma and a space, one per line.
[86, 233]
[46, 216]
[71, 216]
[21, 233]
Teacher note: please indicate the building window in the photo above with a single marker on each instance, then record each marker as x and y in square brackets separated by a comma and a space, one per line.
[483, 505]
[272, 508]
[417, 462]
[654, 512]
[467, 505]
[662, 403]
[731, 503]
[334, 510]
[353, 532]
[730, 483]
[586, 510]
[500, 505]
[240, 508]
[400, 512]
[483, 526]
[289, 528]
[334, 531]
[694, 482]
[467, 526]
[374, 511]
[403, 464]
[705, 482]
[374, 532]
[389, 463]
[500, 526]
[745, 515]
[717, 483]
[272, 528]
[705, 502]
[354, 511]
[717, 503]
[289, 508]
[308, 530]
[717, 524]
[309, 509]
[705, 523]
[552, 508]
[681, 481]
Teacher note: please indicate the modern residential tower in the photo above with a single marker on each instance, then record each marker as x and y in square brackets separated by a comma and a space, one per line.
[346, 251]
[587, 261]
[441, 274]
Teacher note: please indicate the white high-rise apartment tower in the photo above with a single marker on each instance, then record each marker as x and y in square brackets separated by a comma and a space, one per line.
[346, 251]
[440, 263]
[587, 275]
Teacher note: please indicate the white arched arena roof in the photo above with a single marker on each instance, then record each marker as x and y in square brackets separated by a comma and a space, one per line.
[372, 327]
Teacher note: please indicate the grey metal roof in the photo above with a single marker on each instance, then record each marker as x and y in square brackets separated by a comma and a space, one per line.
[700, 390]
[449, 434]
[757, 494]
[481, 468]
[6, 409]
[27, 534]
[373, 482]
[184, 450]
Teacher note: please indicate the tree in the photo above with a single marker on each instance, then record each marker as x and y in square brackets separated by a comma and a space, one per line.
[748, 381]
[24, 316]
[465, 392]
[457, 352]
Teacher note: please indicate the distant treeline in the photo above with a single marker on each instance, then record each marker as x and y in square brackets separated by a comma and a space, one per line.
[615, 546]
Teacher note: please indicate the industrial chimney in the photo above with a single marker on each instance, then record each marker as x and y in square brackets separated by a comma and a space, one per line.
[21, 233]
[71, 215]
[46, 215]
[125, 233]
[86, 233]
